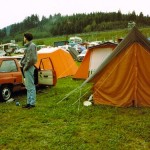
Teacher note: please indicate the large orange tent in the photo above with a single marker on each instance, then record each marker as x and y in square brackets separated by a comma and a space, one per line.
[123, 79]
[62, 61]
[93, 58]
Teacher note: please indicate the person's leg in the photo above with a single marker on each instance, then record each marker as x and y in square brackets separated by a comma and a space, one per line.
[30, 86]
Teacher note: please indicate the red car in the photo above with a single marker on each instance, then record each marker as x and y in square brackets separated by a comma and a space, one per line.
[12, 80]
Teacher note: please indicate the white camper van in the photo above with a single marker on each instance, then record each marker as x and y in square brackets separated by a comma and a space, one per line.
[75, 40]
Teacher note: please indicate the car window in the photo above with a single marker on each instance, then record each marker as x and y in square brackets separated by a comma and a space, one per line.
[45, 64]
[84, 52]
[8, 66]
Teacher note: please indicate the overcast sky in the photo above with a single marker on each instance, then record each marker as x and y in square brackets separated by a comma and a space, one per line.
[15, 11]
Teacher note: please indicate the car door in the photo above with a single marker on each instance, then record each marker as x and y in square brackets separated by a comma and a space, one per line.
[46, 72]
[11, 72]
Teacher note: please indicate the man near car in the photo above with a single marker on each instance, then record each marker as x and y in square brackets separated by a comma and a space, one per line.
[27, 62]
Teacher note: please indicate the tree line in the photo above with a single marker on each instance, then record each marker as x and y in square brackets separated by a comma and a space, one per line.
[77, 23]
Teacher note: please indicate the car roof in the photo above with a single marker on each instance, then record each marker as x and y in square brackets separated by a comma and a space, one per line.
[7, 57]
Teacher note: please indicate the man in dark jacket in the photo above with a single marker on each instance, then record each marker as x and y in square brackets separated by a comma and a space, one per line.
[27, 62]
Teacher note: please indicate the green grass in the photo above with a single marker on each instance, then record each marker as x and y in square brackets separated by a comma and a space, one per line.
[57, 124]
[92, 36]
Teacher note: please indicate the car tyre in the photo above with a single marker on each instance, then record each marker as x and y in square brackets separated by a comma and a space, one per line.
[5, 92]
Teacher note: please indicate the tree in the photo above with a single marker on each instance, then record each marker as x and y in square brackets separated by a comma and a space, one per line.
[119, 15]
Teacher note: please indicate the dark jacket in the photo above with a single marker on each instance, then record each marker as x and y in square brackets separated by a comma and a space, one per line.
[30, 56]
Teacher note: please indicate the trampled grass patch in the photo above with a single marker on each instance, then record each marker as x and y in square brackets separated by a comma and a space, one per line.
[65, 124]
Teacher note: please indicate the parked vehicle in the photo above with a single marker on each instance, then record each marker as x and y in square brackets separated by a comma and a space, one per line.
[18, 57]
[81, 55]
[75, 40]
[12, 78]
[79, 48]
[2, 53]
[9, 48]
[19, 51]
[38, 47]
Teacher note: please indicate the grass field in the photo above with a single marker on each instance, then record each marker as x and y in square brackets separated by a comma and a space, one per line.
[57, 124]
[88, 37]
[93, 36]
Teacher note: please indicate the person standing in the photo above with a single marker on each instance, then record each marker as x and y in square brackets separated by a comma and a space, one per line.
[27, 62]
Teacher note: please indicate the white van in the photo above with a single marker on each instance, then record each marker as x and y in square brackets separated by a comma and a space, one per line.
[75, 40]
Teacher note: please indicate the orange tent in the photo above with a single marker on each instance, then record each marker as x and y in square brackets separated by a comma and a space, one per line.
[62, 61]
[93, 58]
[123, 79]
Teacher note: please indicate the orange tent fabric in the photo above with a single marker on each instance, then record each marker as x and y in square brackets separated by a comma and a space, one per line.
[93, 58]
[62, 61]
[124, 78]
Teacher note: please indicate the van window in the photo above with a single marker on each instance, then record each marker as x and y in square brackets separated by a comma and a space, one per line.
[75, 40]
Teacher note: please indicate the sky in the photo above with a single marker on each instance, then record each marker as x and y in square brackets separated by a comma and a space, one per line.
[15, 11]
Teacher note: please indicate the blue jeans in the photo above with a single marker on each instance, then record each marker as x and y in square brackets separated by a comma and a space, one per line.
[30, 86]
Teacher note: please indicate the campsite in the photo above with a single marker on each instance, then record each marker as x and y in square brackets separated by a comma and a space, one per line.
[61, 121]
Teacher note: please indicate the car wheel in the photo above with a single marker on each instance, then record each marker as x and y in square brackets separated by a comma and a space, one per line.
[5, 92]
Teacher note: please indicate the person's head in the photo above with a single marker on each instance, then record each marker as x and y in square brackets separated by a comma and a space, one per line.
[28, 37]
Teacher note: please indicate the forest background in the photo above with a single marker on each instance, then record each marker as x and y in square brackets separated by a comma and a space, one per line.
[76, 24]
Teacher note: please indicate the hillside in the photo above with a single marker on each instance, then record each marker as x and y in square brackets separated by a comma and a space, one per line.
[58, 25]
[92, 36]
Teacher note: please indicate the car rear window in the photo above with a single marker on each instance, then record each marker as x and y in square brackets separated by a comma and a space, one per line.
[8, 66]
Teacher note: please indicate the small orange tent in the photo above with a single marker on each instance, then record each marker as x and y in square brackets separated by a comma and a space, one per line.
[123, 79]
[93, 58]
[62, 61]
